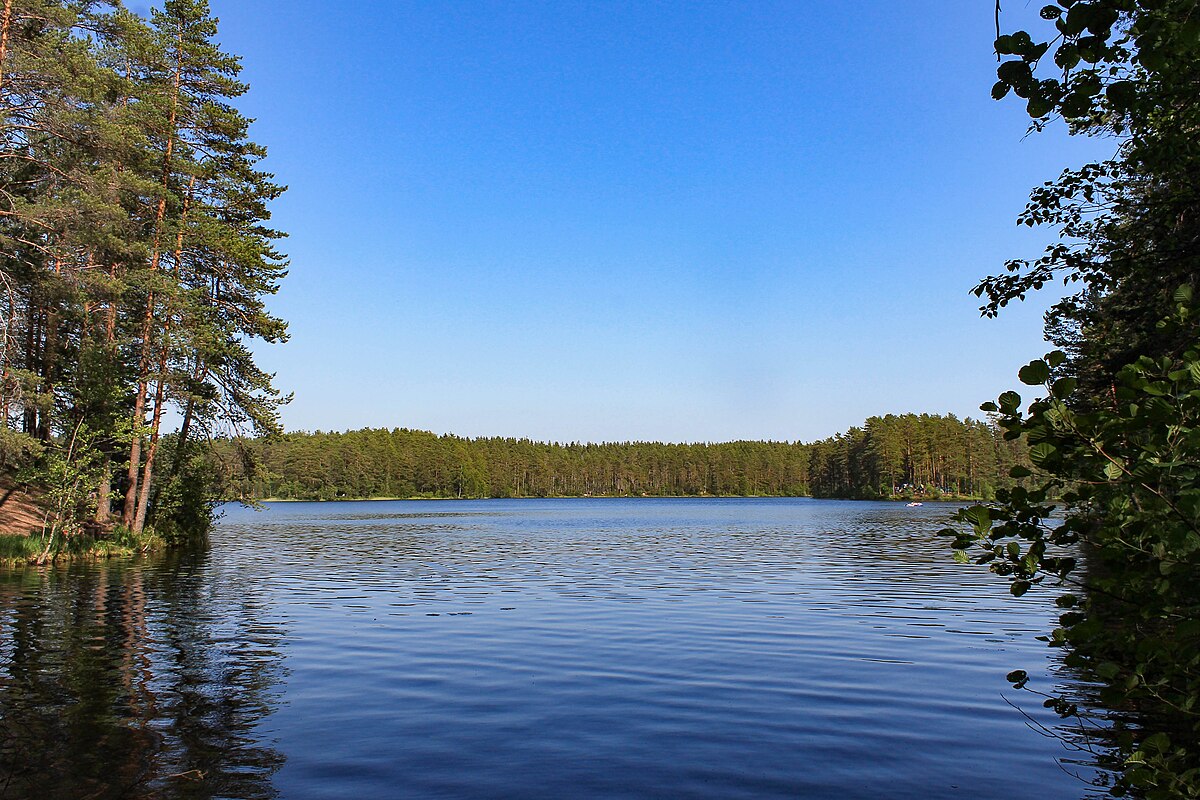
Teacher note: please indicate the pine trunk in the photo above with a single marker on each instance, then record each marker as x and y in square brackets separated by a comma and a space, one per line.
[103, 494]
[5, 25]
[139, 520]
[110, 319]
[159, 394]
[139, 419]
[6, 358]
[139, 410]
[48, 364]
[32, 337]
[185, 427]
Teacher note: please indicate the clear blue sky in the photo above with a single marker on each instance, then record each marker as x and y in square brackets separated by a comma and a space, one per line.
[683, 221]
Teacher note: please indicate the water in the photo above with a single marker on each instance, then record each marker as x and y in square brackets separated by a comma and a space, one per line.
[711, 648]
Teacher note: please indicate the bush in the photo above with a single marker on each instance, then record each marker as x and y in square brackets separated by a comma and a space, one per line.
[1129, 479]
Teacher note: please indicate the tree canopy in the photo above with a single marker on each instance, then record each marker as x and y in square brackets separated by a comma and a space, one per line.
[1115, 426]
[135, 254]
[909, 455]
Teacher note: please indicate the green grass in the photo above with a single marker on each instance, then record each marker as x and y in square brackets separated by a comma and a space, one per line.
[15, 549]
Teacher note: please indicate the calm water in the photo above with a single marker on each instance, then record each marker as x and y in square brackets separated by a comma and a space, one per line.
[530, 649]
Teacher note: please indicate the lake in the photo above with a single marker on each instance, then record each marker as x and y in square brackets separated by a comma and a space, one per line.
[573, 648]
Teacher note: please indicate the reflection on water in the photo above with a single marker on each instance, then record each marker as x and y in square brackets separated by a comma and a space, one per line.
[559, 648]
[134, 680]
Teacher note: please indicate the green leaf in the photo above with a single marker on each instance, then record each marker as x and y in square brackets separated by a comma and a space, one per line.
[1113, 471]
[1063, 387]
[1014, 72]
[1041, 452]
[1009, 401]
[1121, 95]
[979, 517]
[1076, 105]
[1102, 19]
[1020, 472]
[1078, 18]
[1039, 106]
[1156, 743]
[1019, 588]
[1153, 58]
[1067, 56]
[1035, 373]
[1088, 84]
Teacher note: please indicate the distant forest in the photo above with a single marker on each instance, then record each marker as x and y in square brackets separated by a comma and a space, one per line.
[893, 456]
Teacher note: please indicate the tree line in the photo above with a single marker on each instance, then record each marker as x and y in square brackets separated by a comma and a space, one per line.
[907, 455]
[135, 257]
[914, 455]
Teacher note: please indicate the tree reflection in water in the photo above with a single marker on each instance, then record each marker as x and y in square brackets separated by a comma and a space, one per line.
[135, 680]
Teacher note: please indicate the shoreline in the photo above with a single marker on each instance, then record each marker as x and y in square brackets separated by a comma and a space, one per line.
[26, 550]
[904, 499]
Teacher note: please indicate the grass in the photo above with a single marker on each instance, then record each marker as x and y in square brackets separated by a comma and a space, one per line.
[17, 549]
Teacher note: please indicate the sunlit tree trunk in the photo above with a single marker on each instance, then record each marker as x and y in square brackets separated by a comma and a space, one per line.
[5, 24]
[139, 519]
[139, 408]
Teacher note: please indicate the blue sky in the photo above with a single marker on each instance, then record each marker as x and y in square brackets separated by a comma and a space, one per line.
[660, 221]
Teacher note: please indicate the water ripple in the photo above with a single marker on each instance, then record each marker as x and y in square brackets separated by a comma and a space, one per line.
[535, 649]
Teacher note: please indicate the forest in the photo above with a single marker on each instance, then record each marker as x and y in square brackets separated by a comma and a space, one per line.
[892, 456]
[135, 257]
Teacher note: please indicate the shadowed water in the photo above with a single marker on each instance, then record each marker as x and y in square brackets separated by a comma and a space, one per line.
[530, 648]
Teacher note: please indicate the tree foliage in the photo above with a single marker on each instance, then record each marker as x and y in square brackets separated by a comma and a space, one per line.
[134, 251]
[909, 455]
[914, 455]
[1128, 228]
[1117, 433]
